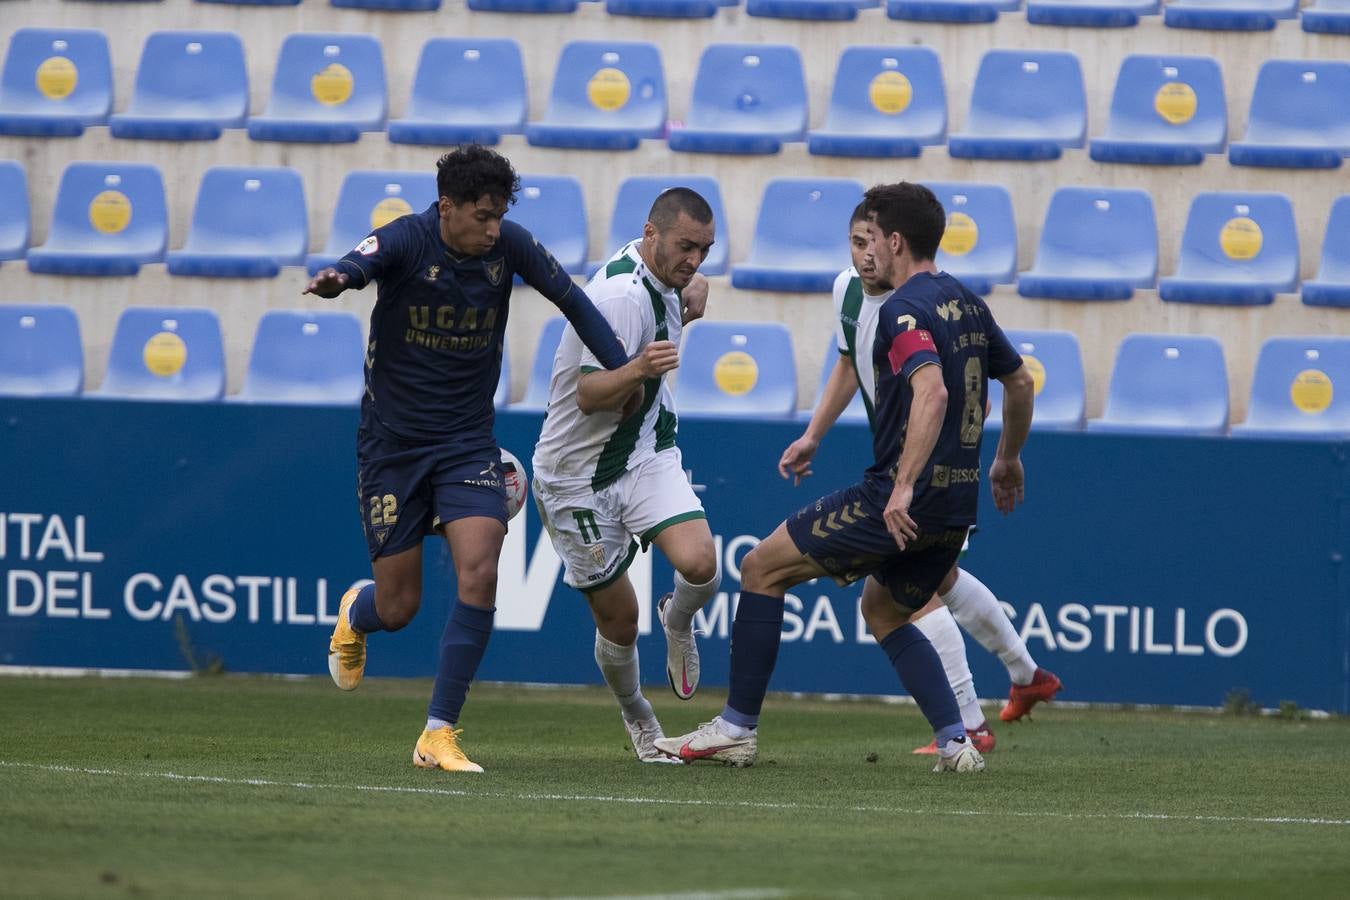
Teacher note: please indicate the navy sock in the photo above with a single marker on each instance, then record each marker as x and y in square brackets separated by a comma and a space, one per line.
[462, 645]
[755, 636]
[363, 615]
[917, 663]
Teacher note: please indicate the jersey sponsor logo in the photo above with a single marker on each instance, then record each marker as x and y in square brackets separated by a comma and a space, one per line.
[906, 345]
[494, 269]
[944, 476]
[368, 246]
[950, 311]
[433, 272]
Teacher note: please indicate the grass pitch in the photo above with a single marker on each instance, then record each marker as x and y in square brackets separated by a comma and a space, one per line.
[266, 787]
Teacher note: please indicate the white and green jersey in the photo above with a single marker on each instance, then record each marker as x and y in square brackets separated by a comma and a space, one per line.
[577, 451]
[855, 329]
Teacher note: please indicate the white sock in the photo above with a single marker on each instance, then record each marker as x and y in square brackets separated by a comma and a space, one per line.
[977, 611]
[689, 599]
[433, 724]
[732, 730]
[940, 629]
[619, 665]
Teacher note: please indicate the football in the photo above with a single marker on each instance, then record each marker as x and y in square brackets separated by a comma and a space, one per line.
[517, 483]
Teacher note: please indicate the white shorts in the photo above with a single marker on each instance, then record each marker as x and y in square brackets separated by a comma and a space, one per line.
[595, 533]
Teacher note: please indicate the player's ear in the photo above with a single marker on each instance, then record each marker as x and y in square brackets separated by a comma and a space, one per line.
[443, 206]
[649, 232]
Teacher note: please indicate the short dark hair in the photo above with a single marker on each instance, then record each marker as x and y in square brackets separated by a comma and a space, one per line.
[859, 214]
[673, 201]
[913, 211]
[468, 172]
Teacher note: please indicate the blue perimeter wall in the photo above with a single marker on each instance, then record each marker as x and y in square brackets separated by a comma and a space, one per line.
[1157, 570]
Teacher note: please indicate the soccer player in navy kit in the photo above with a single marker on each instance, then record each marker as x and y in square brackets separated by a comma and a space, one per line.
[426, 456]
[936, 347]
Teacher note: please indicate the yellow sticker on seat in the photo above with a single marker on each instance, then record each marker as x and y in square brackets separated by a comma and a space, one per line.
[1175, 102]
[332, 86]
[387, 210]
[961, 236]
[1311, 391]
[110, 212]
[891, 93]
[736, 373]
[1037, 371]
[56, 78]
[164, 354]
[1240, 238]
[609, 89]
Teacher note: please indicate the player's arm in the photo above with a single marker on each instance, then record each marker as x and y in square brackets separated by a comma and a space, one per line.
[379, 252]
[1006, 477]
[613, 389]
[839, 390]
[913, 354]
[694, 299]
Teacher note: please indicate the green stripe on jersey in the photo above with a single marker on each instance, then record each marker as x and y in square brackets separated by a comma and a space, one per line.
[666, 425]
[624, 265]
[848, 315]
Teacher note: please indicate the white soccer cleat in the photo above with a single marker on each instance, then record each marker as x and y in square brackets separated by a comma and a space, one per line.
[644, 734]
[967, 759]
[681, 654]
[711, 742]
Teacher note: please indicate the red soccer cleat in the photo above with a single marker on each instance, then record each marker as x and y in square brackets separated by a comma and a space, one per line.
[981, 738]
[1021, 698]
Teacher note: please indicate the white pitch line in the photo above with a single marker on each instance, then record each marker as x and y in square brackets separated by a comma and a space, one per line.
[667, 801]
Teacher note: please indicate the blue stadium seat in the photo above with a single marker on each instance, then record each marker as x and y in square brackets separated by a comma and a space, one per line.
[1056, 367]
[55, 82]
[501, 397]
[748, 98]
[979, 246]
[1096, 244]
[1237, 249]
[541, 371]
[1332, 285]
[40, 351]
[1228, 15]
[741, 370]
[166, 353]
[368, 200]
[819, 10]
[189, 87]
[110, 219]
[466, 90]
[800, 241]
[1090, 13]
[856, 411]
[306, 356]
[1166, 110]
[1301, 388]
[247, 223]
[634, 201]
[551, 208]
[390, 5]
[1025, 105]
[607, 95]
[253, 2]
[1327, 17]
[14, 213]
[961, 12]
[1299, 117]
[887, 102]
[1167, 383]
[328, 88]
[665, 9]
[524, 6]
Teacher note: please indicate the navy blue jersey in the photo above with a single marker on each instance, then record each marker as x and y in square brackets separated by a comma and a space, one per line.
[436, 333]
[934, 320]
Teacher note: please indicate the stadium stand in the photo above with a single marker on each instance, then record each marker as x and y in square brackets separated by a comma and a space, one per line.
[1299, 117]
[1327, 17]
[253, 2]
[14, 213]
[1294, 389]
[306, 357]
[856, 411]
[190, 85]
[110, 219]
[1165, 110]
[1168, 383]
[607, 95]
[799, 242]
[368, 200]
[741, 370]
[390, 5]
[1332, 285]
[552, 209]
[1229, 15]
[887, 102]
[664, 9]
[634, 200]
[248, 222]
[960, 12]
[523, 6]
[748, 98]
[1096, 244]
[980, 244]
[1237, 249]
[327, 88]
[166, 353]
[1090, 14]
[1056, 365]
[55, 82]
[541, 369]
[1025, 106]
[820, 10]
[465, 89]
[40, 351]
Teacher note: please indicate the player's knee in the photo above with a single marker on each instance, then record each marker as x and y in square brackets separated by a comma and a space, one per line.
[755, 571]
[701, 568]
[478, 580]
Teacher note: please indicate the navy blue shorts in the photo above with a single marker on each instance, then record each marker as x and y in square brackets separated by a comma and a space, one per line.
[845, 534]
[407, 491]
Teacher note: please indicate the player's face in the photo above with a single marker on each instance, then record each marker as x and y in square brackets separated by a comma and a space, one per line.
[859, 237]
[471, 227]
[677, 252]
[884, 249]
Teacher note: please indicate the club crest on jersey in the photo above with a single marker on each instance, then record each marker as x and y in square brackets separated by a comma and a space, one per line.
[598, 554]
[433, 272]
[368, 246]
[493, 268]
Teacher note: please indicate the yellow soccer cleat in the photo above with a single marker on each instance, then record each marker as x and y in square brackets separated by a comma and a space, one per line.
[347, 649]
[439, 749]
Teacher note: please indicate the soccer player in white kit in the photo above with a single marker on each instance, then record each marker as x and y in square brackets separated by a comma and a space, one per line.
[607, 473]
[962, 598]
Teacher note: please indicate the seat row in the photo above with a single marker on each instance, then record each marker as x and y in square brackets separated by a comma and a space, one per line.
[1327, 16]
[887, 102]
[1160, 383]
[110, 219]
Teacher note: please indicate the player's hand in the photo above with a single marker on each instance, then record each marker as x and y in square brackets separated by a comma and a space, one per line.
[796, 459]
[327, 284]
[657, 358]
[898, 522]
[694, 299]
[1007, 479]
